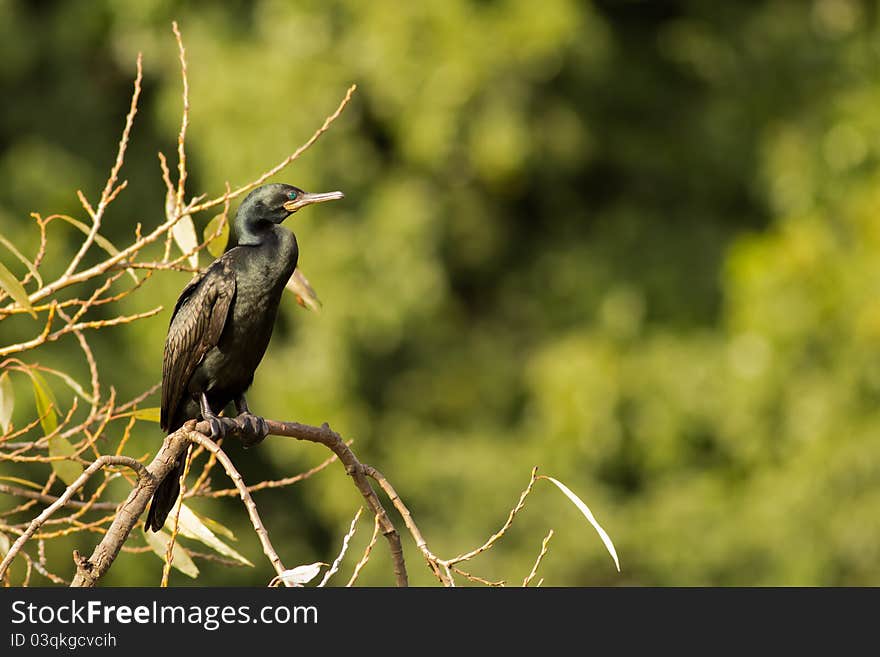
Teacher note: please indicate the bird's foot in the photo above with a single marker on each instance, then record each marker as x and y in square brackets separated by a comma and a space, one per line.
[218, 427]
[252, 429]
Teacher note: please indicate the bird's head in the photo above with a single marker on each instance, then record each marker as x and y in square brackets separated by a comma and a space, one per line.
[272, 204]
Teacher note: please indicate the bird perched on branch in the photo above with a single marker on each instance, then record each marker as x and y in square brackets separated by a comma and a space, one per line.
[222, 324]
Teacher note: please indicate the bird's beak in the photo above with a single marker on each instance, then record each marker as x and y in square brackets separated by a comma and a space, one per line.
[307, 198]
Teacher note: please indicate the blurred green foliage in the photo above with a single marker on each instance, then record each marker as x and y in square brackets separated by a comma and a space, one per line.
[634, 243]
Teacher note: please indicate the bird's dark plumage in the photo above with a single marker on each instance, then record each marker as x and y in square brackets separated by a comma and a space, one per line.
[223, 320]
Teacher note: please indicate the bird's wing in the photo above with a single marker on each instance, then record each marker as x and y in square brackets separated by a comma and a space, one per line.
[196, 326]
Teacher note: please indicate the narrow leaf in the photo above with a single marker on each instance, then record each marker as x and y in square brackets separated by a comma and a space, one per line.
[217, 246]
[191, 526]
[181, 560]
[7, 402]
[71, 383]
[45, 402]
[299, 575]
[216, 527]
[27, 263]
[151, 414]
[100, 240]
[67, 471]
[583, 508]
[4, 544]
[16, 290]
[305, 293]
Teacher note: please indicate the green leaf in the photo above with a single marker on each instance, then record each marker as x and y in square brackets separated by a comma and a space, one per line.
[217, 246]
[72, 384]
[45, 401]
[151, 414]
[181, 560]
[583, 508]
[191, 526]
[100, 240]
[67, 471]
[27, 263]
[16, 290]
[7, 402]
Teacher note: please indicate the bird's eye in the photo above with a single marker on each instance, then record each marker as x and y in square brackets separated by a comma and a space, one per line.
[292, 196]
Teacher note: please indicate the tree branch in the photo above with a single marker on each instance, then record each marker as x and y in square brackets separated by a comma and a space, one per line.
[91, 569]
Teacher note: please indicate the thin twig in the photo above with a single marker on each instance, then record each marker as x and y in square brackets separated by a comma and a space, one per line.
[534, 571]
[284, 163]
[367, 550]
[278, 483]
[107, 195]
[51, 499]
[335, 566]
[184, 122]
[37, 522]
[208, 444]
[175, 524]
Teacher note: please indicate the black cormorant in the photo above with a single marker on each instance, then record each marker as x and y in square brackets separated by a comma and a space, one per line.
[222, 323]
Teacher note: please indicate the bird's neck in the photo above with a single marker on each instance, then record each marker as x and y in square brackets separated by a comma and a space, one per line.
[254, 233]
[272, 259]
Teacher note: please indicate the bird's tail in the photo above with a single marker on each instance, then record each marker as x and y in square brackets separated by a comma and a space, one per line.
[164, 498]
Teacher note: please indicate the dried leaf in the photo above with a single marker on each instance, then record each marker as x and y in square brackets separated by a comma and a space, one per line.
[583, 508]
[190, 526]
[16, 290]
[181, 560]
[305, 294]
[7, 402]
[299, 575]
[217, 246]
[184, 231]
[4, 544]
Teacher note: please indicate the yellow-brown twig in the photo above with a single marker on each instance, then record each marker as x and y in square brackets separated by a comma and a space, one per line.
[367, 551]
[175, 518]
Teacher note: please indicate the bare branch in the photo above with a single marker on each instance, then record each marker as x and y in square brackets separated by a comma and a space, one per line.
[284, 163]
[278, 483]
[335, 566]
[175, 514]
[208, 444]
[184, 122]
[37, 522]
[51, 499]
[534, 571]
[364, 559]
[108, 194]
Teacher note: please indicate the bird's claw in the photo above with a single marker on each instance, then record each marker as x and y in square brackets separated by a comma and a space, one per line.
[218, 428]
[252, 428]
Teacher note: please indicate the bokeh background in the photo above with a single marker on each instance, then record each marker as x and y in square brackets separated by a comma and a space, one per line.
[636, 244]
